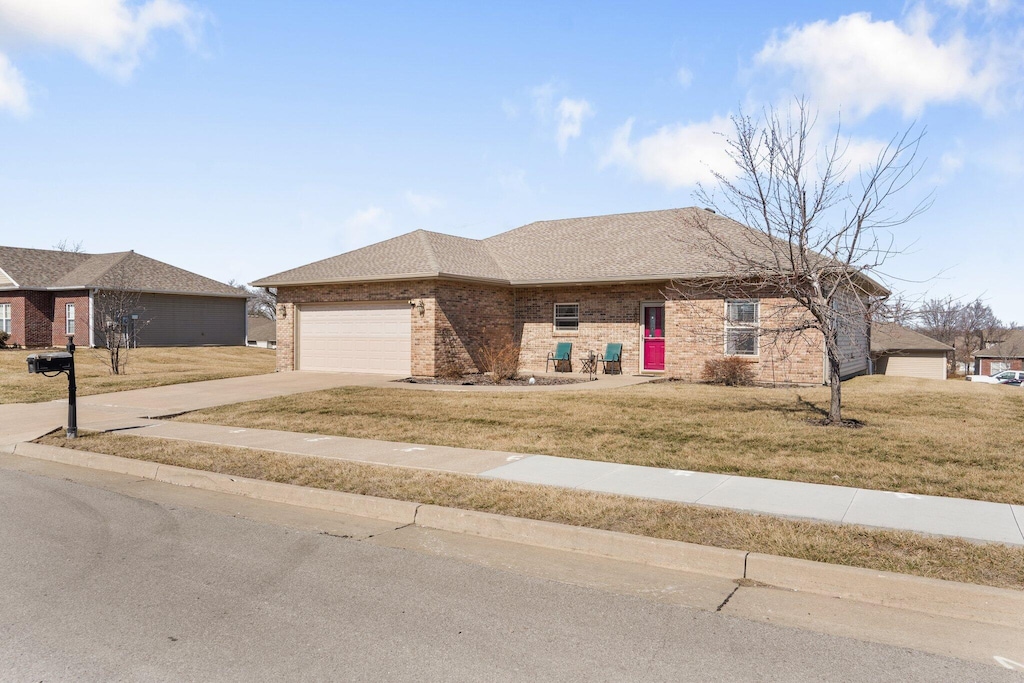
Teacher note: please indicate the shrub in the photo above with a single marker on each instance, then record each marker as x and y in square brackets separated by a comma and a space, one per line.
[731, 371]
[4, 338]
[449, 357]
[501, 359]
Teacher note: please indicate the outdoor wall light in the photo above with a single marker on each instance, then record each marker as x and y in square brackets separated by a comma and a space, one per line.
[283, 310]
[420, 308]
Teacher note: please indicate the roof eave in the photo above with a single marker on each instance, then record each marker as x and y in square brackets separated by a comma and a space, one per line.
[270, 282]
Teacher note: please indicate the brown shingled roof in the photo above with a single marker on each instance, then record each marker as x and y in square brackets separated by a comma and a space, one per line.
[648, 245]
[886, 337]
[56, 270]
[1011, 347]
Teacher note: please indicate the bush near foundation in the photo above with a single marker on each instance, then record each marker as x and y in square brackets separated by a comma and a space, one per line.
[730, 372]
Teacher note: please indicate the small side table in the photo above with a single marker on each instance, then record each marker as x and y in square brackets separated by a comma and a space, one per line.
[588, 364]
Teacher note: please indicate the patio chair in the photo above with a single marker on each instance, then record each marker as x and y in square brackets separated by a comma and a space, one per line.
[612, 356]
[561, 357]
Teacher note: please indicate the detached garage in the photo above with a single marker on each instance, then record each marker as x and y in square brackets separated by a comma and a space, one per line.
[900, 352]
[355, 337]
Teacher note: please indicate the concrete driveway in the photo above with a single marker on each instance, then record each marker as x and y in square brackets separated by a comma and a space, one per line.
[27, 421]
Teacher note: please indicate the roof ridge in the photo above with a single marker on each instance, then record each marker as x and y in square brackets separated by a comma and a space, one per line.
[584, 218]
[429, 246]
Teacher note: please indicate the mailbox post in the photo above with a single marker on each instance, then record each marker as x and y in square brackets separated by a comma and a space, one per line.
[72, 393]
[53, 364]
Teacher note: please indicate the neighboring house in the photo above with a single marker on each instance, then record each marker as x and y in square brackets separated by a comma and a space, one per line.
[262, 332]
[899, 352]
[1006, 355]
[47, 296]
[392, 307]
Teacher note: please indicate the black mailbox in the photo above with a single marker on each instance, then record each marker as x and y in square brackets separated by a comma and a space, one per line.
[50, 362]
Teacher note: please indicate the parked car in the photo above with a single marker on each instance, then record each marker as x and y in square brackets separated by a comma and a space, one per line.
[999, 378]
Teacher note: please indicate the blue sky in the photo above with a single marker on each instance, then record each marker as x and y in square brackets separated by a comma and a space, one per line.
[239, 139]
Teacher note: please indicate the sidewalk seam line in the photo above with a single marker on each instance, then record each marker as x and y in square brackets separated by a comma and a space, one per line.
[728, 477]
[856, 492]
[1013, 513]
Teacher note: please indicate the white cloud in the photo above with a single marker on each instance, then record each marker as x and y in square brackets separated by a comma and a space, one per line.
[684, 76]
[13, 95]
[514, 181]
[679, 155]
[571, 114]
[112, 36]
[366, 226]
[862, 65]
[423, 203]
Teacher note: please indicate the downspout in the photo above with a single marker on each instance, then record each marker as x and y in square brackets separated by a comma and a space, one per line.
[92, 321]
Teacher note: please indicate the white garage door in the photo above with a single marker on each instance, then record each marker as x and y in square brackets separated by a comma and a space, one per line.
[356, 338]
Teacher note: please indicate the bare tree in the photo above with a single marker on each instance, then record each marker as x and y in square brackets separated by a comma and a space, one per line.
[819, 230]
[898, 309]
[118, 318]
[968, 327]
[261, 301]
[69, 246]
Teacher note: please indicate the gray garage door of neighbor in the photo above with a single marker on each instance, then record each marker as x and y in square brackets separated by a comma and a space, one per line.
[373, 338]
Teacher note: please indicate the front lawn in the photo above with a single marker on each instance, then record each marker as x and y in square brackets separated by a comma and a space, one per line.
[147, 367]
[920, 436]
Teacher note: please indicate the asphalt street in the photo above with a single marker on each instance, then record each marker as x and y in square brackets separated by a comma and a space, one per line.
[101, 584]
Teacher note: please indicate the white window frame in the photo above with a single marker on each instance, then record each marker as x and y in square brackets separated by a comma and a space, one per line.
[566, 318]
[5, 318]
[743, 326]
[69, 319]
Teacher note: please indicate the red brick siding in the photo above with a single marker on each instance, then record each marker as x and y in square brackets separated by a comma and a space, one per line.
[481, 316]
[59, 335]
[609, 314]
[986, 364]
[31, 316]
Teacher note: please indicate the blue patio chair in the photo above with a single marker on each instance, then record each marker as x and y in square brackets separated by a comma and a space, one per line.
[561, 357]
[612, 356]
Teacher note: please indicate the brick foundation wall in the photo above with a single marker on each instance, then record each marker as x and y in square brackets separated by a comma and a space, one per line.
[58, 330]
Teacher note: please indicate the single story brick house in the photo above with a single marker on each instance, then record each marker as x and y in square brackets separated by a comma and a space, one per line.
[1008, 354]
[47, 296]
[899, 352]
[396, 306]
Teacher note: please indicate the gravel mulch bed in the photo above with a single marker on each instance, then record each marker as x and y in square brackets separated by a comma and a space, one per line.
[483, 380]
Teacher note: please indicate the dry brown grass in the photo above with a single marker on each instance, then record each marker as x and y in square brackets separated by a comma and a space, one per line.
[147, 367]
[937, 438]
[898, 551]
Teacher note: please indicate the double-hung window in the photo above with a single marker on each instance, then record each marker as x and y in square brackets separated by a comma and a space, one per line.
[69, 319]
[5, 318]
[742, 327]
[567, 317]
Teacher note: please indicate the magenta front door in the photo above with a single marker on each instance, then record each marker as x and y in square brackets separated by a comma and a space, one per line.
[654, 336]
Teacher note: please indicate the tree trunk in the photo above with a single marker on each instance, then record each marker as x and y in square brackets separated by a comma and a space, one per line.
[835, 404]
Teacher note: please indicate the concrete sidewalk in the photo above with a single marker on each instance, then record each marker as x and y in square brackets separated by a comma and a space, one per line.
[970, 519]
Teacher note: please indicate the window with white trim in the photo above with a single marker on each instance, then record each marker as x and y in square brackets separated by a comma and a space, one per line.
[69, 319]
[742, 327]
[567, 317]
[5, 318]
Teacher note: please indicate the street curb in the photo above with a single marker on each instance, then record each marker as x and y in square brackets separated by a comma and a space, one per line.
[657, 552]
[968, 602]
[396, 511]
[902, 591]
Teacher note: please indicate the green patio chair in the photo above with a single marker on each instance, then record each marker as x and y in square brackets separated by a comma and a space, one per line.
[561, 357]
[612, 356]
